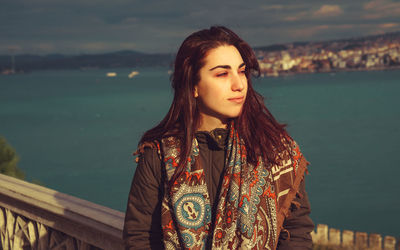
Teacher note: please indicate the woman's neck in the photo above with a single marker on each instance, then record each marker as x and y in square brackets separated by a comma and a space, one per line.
[209, 123]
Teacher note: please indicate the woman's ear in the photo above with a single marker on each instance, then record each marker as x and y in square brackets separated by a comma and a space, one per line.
[195, 92]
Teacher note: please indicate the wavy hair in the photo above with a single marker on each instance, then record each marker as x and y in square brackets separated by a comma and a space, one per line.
[261, 133]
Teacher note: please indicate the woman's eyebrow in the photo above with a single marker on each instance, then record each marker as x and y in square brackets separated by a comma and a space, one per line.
[221, 66]
[226, 66]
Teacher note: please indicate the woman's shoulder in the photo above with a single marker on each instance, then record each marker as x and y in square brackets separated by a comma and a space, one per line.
[290, 144]
[291, 150]
[146, 150]
[148, 160]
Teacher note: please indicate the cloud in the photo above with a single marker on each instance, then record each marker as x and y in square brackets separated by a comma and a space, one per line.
[325, 11]
[324, 31]
[104, 46]
[335, 31]
[94, 46]
[297, 16]
[130, 20]
[328, 11]
[77, 26]
[310, 31]
[272, 7]
[379, 29]
[45, 47]
[389, 25]
[10, 48]
[385, 27]
[378, 9]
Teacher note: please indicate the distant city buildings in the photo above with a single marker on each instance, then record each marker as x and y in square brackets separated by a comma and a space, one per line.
[376, 53]
[367, 53]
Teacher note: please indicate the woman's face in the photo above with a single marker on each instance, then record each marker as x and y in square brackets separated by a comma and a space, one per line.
[222, 88]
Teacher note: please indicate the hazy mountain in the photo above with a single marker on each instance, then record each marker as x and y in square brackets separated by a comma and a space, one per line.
[128, 58]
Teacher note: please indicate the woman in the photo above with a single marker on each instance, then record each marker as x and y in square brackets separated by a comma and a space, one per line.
[218, 172]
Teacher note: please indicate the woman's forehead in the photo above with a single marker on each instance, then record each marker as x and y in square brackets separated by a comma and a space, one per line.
[223, 55]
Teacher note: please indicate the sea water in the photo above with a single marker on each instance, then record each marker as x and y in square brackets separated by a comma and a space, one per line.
[75, 132]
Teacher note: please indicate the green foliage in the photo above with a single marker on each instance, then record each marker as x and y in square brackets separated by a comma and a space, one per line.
[9, 160]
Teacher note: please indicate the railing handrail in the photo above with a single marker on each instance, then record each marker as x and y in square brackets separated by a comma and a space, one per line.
[98, 225]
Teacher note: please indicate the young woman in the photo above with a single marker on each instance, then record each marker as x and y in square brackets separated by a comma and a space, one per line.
[218, 172]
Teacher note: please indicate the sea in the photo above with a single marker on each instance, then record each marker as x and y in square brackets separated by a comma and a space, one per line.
[75, 132]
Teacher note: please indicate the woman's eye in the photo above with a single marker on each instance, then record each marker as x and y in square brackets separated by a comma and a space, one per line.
[243, 71]
[222, 74]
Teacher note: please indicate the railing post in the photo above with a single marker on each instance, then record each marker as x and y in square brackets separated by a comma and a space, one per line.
[334, 237]
[321, 236]
[389, 243]
[375, 242]
[347, 238]
[361, 240]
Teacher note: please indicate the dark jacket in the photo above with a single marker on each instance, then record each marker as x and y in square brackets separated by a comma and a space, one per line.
[142, 229]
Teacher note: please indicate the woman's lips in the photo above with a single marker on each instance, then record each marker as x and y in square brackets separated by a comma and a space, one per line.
[239, 99]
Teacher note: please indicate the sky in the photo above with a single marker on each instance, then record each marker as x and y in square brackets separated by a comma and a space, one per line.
[150, 26]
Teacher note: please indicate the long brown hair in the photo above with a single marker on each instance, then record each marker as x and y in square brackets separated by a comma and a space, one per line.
[261, 133]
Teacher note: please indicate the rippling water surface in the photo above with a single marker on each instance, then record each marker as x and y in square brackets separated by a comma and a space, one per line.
[75, 132]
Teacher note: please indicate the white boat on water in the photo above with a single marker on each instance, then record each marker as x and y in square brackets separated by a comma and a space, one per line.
[111, 74]
[133, 74]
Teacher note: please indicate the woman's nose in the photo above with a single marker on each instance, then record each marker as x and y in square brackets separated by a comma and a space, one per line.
[237, 82]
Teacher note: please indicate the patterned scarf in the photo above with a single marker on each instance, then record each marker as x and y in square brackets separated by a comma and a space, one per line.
[248, 214]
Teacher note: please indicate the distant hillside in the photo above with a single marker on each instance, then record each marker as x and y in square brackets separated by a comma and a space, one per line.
[333, 45]
[127, 58]
[380, 52]
[117, 59]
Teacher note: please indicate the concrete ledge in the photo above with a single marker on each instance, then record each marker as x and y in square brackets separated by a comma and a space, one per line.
[86, 221]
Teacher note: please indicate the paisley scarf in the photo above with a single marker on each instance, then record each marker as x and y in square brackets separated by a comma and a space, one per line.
[253, 200]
